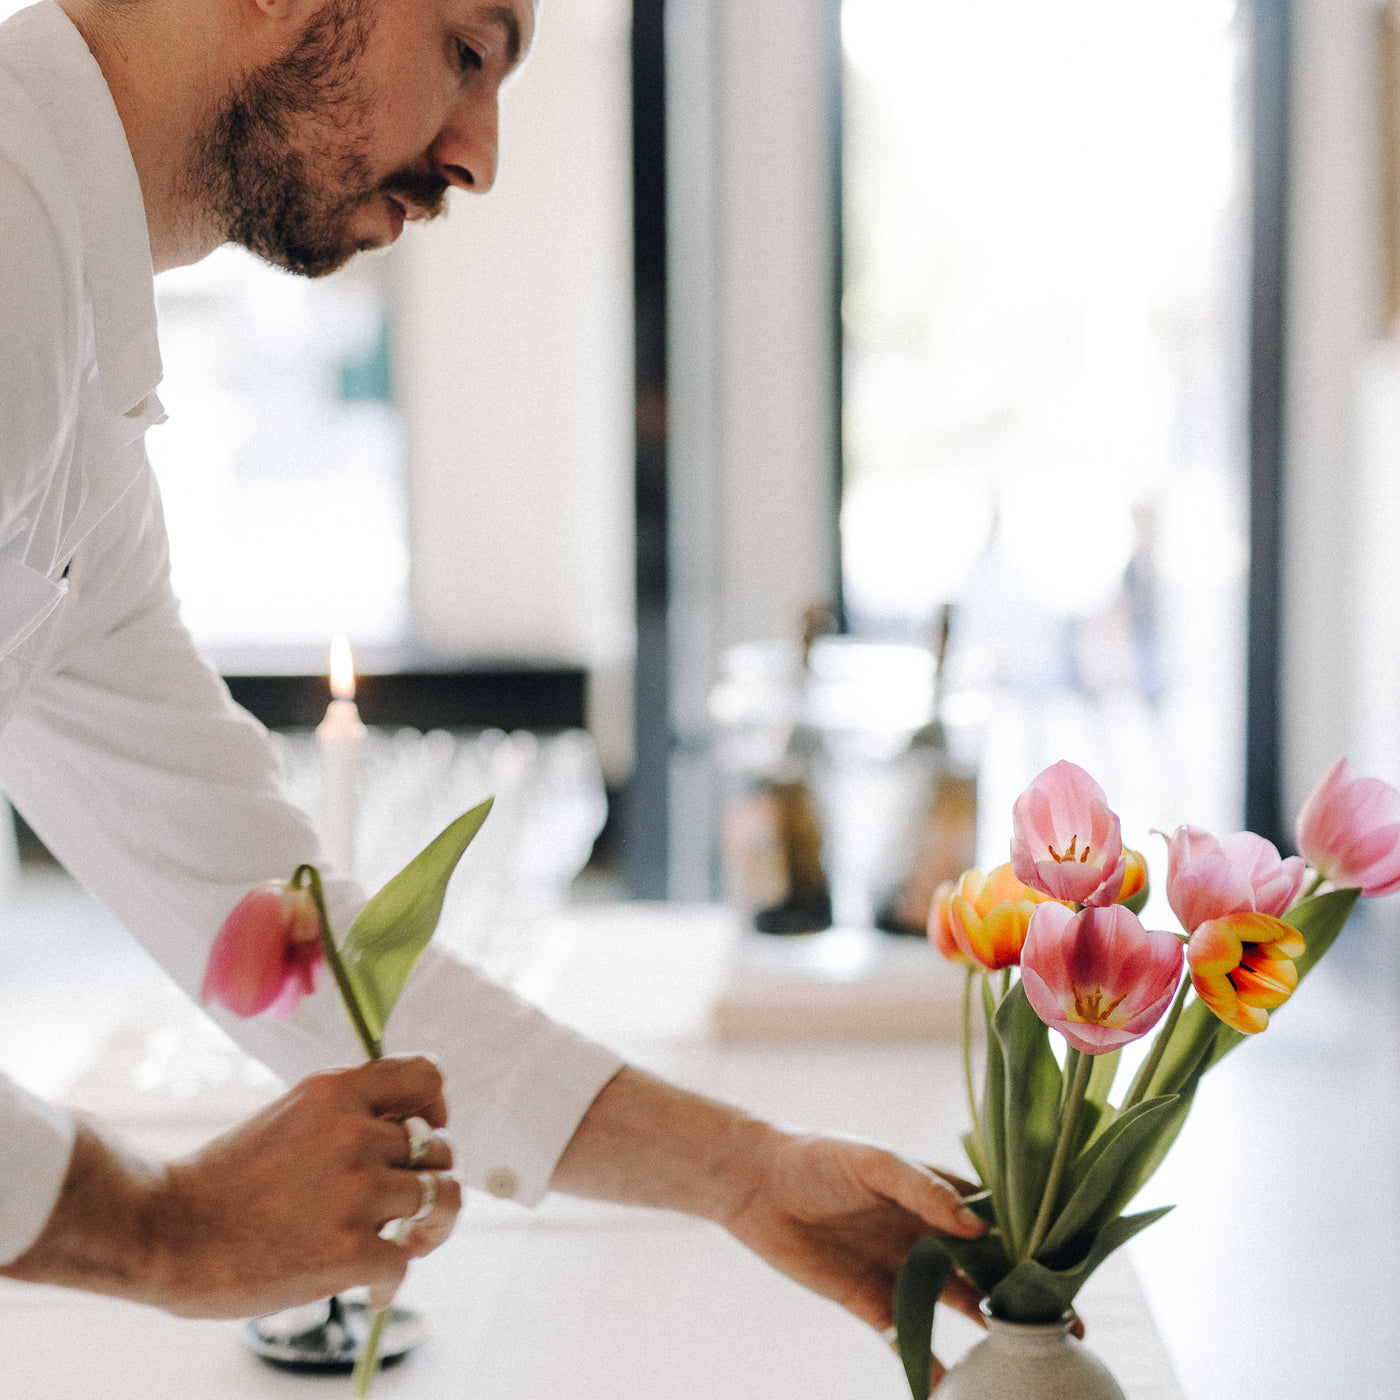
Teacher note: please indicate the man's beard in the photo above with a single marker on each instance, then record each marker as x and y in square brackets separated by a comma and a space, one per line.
[281, 168]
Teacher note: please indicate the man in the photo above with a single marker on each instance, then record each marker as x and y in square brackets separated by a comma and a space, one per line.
[138, 135]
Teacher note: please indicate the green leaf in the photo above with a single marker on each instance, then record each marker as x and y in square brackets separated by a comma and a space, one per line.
[1031, 1292]
[1097, 1113]
[1091, 1182]
[1032, 1126]
[1101, 1077]
[1174, 1120]
[392, 930]
[974, 1155]
[984, 1260]
[994, 1117]
[921, 1282]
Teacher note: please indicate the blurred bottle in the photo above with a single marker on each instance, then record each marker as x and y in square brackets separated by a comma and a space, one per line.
[941, 841]
[771, 832]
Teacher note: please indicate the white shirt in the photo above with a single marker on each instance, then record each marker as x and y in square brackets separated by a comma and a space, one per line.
[118, 744]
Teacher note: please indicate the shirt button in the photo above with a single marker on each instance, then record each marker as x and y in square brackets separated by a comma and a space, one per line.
[503, 1183]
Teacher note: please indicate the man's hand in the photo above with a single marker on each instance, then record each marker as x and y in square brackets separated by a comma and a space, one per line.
[284, 1209]
[841, 1216]
[837, 1215]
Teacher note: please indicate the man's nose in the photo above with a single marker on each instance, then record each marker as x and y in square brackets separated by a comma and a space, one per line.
[465, 150]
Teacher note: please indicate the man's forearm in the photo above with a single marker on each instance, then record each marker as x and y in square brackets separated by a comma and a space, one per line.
[103, 1233]
[833, 1213]
[644, 1142]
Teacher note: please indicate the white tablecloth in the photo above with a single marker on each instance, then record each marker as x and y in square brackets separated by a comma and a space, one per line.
[575, 1298]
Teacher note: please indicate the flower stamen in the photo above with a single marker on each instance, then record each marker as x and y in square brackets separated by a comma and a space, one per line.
[1088, 1007]
[1069, 856]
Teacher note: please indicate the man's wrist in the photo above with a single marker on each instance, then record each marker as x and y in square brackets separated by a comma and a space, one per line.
[745, 1167]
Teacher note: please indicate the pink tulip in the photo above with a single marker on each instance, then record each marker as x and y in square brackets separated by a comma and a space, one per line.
[1244, 873]
[1066, 841]
[265, 956]
[1098, 977]
[1349, 830]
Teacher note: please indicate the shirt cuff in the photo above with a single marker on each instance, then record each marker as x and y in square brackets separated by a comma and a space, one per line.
[37, 1142]
[515, 1094]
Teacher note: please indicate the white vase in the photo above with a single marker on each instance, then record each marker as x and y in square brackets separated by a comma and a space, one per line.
[1029, 1361]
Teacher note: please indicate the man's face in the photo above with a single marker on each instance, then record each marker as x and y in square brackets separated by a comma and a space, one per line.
[374, 110]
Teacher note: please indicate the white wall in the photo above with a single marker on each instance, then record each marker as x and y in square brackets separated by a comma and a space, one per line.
[514, 373]
[1336, 310]
[752, 494]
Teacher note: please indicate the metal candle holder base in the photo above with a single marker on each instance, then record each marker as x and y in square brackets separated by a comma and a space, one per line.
[324, 1338]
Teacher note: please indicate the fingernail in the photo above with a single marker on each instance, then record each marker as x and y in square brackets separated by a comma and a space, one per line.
[968, 1218]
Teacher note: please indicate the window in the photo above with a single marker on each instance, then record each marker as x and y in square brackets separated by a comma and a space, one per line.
[1045, 371]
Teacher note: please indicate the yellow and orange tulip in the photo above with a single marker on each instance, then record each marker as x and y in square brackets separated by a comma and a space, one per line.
[1134, 893]
[1242, 967]
[980, 920]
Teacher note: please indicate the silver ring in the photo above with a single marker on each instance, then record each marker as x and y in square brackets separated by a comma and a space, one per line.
[890, 1335]
[427, 1185]
[419, 1136]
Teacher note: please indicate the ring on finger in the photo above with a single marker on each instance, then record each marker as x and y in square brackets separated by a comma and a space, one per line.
[420, 1135]
[427, 1186]
[890, 1335]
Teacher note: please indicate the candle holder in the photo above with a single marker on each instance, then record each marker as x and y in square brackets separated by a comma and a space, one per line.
[327, 1338]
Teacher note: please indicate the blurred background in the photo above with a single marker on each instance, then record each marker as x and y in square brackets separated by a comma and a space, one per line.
[1044, 352]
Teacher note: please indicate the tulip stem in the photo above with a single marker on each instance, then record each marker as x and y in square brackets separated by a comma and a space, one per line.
[1142, 1080]
[367, 1363]
[1082, 1069]
[1315, 884]
[967, 1062]
[309, 876]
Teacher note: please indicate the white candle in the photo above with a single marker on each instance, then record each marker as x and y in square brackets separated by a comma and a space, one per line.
[340, 738]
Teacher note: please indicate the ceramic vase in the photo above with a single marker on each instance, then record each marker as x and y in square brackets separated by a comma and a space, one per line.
[1029, 1361]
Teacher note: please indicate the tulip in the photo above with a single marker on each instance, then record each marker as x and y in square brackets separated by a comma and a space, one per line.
[1349, 830]
[940, 929]
[1098, 977]
[1208, 879]
[1134, 893]
[266, 954]
[1066, 841]
[986, 918]
[1242, 967]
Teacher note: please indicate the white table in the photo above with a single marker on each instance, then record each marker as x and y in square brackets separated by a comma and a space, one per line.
[578, 1298]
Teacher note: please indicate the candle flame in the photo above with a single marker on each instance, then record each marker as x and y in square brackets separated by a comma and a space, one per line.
[342, 668]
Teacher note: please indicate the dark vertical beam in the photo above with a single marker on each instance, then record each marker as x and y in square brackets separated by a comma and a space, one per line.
[836, 83]
[1270, 75]
[644, 824]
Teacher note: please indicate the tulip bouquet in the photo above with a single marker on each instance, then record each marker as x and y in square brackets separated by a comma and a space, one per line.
[1058, 1158]
[267, 953]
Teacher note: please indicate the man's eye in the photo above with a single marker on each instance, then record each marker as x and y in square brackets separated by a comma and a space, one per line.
[468, 60]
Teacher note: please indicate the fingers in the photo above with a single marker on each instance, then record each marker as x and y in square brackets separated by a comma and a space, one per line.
[390, 1266]
[921, 1191]
[421, 1147]
[399, 1086]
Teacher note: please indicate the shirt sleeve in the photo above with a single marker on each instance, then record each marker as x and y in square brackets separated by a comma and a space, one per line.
[165, 800]
[36, 1140]
[41, 315]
